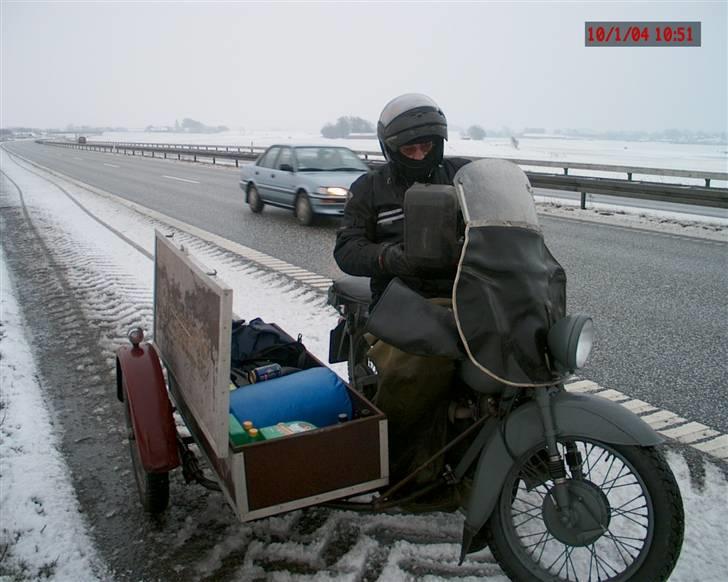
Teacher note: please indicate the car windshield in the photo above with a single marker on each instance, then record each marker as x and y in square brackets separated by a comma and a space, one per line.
[324, 159]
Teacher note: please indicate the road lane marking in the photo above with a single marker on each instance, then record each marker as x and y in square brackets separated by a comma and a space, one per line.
[613, 395]
[666, 423]
[110, 165]
[181, 179]
[662, 419]
[690, 432]
[584, 386]
[715, 444]
[638, 406]
[75, 158]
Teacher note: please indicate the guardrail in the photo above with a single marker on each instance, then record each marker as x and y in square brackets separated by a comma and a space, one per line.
[630, 188]
[214, 152]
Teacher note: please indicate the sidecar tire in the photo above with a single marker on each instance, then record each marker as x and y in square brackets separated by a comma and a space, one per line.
[153, 488]
[668, 524]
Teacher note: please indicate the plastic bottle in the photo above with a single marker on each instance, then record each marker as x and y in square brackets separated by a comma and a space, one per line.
[255, 435]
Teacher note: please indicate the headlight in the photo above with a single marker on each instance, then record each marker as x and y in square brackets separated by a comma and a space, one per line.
[333, 191]
[570, 341]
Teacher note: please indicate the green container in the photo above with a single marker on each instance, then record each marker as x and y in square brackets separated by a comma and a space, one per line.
[238, 434]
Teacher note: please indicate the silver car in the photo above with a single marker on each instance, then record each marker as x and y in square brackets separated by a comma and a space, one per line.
[311, 180]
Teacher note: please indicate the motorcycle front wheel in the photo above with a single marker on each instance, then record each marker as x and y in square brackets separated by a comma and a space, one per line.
[625, 520]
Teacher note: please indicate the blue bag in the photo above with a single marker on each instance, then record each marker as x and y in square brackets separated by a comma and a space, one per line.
[316, 395]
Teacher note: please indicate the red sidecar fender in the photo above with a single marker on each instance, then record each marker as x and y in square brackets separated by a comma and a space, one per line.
[139, 377]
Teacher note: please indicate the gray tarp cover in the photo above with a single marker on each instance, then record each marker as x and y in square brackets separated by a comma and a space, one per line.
[509, 289]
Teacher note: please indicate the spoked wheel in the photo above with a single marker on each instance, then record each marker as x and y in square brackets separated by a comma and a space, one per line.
[254, 201]
[153, 487]
[625, 520]
[304, 211]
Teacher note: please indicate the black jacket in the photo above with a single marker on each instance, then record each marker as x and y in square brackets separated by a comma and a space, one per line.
[373, 216]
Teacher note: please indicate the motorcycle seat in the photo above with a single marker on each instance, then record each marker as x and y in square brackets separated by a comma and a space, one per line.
[349, 289]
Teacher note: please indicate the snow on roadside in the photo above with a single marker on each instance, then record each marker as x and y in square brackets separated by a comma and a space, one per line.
[658, 221]
[42, 533]
[703, 557]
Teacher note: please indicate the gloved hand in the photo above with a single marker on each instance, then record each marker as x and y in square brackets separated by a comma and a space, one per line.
[393, 261]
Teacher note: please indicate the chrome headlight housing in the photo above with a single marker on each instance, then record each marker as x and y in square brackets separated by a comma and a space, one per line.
[570, 341]
[333, 191]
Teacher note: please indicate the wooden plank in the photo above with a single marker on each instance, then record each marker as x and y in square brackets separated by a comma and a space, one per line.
[192, 330]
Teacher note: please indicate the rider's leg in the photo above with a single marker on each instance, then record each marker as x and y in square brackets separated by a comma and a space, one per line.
[413, 392]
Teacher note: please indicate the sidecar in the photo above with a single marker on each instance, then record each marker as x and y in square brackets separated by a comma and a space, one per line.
[186, 370]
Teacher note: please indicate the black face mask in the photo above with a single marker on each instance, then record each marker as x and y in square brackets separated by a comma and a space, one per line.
[418, 170]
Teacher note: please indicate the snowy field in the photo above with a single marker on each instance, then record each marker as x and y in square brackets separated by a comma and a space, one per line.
[42, 532]
[712, 158]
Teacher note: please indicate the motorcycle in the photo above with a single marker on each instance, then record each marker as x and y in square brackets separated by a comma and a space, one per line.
[559, 485]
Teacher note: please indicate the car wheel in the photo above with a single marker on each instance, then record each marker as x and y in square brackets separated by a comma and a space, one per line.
[304, 211]
[254, 201]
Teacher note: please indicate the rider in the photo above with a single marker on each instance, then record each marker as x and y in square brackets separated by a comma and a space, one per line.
[412, 130]
[413, 390]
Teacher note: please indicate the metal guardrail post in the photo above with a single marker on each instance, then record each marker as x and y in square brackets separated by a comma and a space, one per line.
[629, 176]
[707, 182]
[583, 200]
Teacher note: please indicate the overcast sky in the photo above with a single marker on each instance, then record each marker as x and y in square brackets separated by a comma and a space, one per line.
[295, 66]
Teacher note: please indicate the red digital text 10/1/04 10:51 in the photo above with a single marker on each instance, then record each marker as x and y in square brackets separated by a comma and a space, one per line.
[642, 34]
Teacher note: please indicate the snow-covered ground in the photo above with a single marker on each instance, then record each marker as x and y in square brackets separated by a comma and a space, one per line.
[42, 533]
[42, 530]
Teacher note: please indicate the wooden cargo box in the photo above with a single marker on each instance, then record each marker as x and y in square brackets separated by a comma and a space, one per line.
[192, 333]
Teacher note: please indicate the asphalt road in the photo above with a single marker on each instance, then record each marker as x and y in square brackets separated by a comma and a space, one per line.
[659, 300]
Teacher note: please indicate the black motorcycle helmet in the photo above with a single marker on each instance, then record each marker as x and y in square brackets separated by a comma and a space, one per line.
[412, 118]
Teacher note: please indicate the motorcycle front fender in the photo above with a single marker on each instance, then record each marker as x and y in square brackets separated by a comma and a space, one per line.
[575, 415]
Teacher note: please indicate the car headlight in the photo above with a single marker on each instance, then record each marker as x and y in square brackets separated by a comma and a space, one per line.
[334, 191]
[570, 341]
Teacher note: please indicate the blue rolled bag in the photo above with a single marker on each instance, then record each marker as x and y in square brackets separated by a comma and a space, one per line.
[316, 395]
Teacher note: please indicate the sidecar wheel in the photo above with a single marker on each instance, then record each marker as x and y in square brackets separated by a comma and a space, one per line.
[627, 521]
[153, 488]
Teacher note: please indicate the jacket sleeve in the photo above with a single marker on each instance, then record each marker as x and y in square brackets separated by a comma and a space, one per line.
[356, 251]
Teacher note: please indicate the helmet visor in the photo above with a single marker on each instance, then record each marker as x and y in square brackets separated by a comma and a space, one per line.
[415, 126]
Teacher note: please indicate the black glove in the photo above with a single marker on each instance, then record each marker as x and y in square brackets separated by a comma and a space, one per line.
[393, 261]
